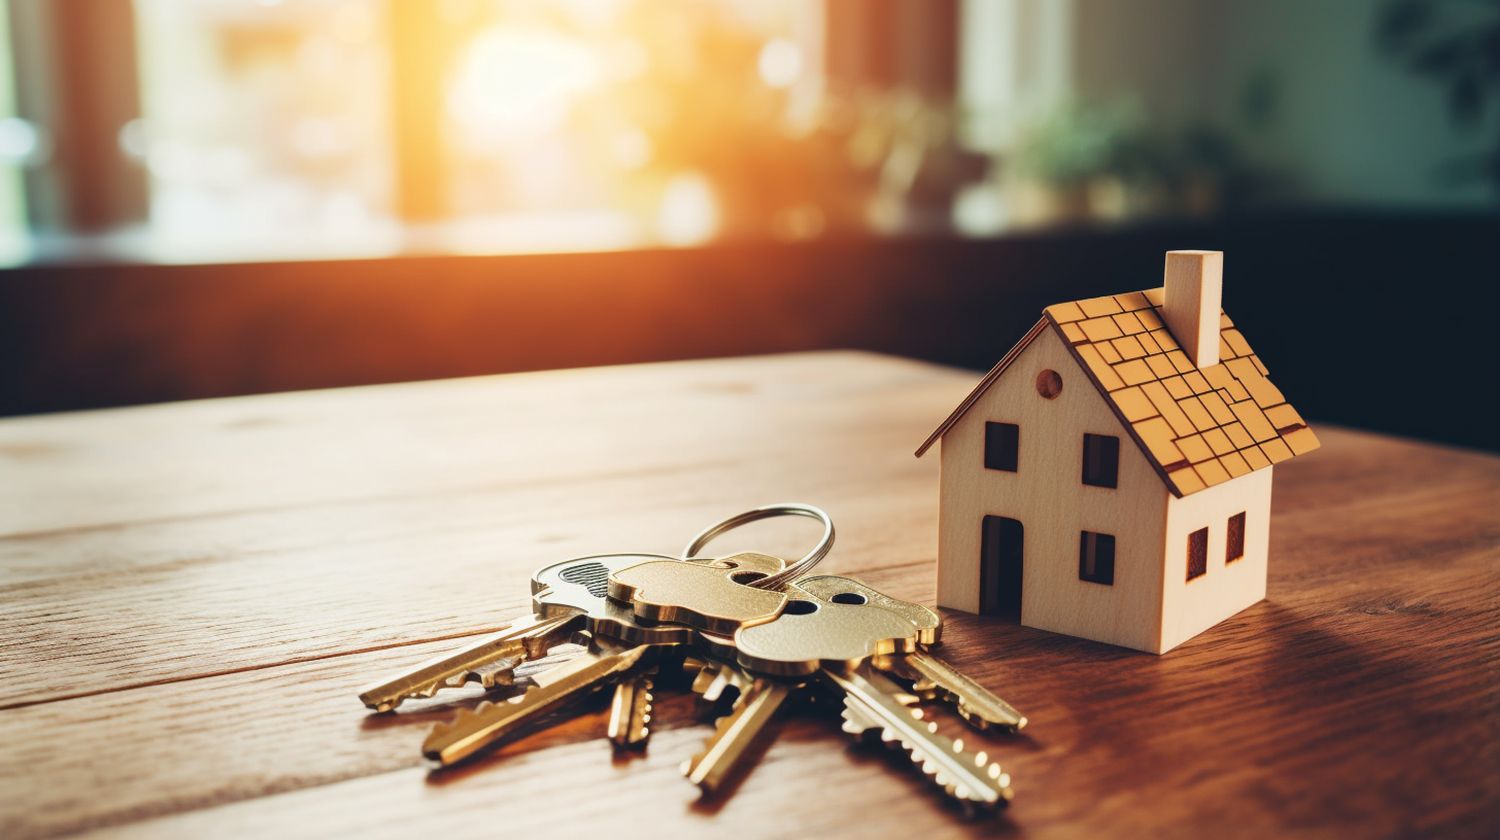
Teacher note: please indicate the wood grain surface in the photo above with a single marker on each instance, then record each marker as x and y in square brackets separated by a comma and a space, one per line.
[190, 595]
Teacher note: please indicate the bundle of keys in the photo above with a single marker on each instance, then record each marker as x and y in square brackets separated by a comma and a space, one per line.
[754, 627]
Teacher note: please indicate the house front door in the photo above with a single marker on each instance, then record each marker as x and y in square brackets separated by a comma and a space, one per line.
[1000, 549]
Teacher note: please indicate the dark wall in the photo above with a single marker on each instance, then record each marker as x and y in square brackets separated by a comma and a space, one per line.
[1380, 321]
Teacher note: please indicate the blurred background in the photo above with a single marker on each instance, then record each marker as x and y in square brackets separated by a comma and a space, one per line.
[215, 197]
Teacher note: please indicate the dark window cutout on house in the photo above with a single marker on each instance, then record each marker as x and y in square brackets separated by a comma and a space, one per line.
[1002, 442]
[1096, 558]
[1235, 543]
[1101, 460]
[1197, 553]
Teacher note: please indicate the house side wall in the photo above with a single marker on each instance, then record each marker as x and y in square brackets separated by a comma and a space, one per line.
[1048, 496]
[1192, 606]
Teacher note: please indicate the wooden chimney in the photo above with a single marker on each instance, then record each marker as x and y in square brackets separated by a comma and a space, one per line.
[1195, 292]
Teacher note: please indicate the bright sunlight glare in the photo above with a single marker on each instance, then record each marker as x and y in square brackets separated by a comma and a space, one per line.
[517, 80]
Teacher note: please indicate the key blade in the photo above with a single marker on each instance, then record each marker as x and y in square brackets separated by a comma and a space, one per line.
[734, 734]
[709, 683]
[470, 731]
[973, 702]
[630, 712]
[969, 777]
[717, 677]
[525, 638]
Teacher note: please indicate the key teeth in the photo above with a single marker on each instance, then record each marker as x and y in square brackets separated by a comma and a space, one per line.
[634, 730]
[722, 722]
[488, 679]
[648, 703]
[421, 692]
[858, 722]
[444, 727]
[983, 724]
[983, 712]
[466, 714]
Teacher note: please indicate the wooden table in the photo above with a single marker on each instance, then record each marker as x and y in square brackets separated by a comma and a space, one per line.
[192, 593]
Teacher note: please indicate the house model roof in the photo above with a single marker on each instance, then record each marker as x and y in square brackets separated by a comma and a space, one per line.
[1197, 426]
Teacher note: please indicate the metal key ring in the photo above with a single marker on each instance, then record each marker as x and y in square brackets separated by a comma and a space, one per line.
[791, 572]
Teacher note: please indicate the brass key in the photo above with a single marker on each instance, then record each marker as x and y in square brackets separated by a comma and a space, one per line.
[838, 635]
[712, 596]
[811, 634]
[618, 642]
[630, 712]
[755, 704]
[526, 638]
[566, 597]
[715, 677]
[931, 676]
[843, 590]
[471, 731]
[727, 747]
[874, 704]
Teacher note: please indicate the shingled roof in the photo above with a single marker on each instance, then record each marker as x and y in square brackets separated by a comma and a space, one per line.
[1198, 427]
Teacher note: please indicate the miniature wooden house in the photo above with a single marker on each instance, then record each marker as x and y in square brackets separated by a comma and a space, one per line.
[1110, 478]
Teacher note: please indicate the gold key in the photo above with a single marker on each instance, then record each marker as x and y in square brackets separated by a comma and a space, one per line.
[714, 596]
[715, 677]
[873, 704]
[617, 644]
[566, 596]
[630, 712]
[752, 635]
[577, 589]
[930, 675]
[837, 635]
[812, 633]
[734, 734]
[525, 638]
[843, 590]
[472, 730]
[755, 703]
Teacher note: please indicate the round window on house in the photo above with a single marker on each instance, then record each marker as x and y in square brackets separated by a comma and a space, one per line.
[1049, 384]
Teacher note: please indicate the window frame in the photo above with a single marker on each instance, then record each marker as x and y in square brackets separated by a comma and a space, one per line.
[1105, 476]
[995, 430]
[1104, 572]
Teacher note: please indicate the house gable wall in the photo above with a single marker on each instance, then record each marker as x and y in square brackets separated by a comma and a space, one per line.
[1047, 495]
